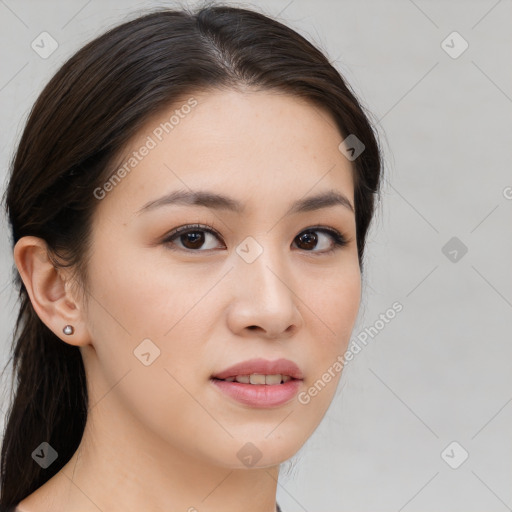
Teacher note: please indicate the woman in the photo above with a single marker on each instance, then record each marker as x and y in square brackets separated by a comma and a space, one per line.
[189, 203]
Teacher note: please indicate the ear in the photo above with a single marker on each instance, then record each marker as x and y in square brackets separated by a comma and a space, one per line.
[49, 291]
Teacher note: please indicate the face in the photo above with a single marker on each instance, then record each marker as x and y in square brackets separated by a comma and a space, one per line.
[259, 275]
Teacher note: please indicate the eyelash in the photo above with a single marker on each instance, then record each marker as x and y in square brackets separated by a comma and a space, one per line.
[339, 240]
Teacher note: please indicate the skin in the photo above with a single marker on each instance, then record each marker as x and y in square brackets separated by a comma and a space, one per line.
[162, 437]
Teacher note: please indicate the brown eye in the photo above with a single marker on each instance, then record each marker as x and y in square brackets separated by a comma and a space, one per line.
[194, 238]
[191, 237]
[309, 239]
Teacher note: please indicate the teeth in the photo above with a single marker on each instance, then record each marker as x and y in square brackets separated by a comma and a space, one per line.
[257, 378]
[270, 379]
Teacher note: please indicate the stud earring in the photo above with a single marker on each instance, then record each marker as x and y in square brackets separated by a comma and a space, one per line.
[68, 329]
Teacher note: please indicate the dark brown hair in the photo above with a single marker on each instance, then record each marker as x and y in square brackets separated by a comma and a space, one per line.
[91, 108]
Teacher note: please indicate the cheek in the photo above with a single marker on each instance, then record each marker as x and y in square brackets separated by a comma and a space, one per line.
[143, 297]
[146, 307]
[335, 301]
[334, 306]
[142, 308]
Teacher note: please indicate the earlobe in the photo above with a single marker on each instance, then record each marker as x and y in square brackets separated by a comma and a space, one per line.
[50, 297]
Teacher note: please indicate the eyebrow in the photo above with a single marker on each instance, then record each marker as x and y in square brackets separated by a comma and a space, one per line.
[214, 200]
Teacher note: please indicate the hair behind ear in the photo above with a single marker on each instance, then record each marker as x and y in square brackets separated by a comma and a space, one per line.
[50, 404]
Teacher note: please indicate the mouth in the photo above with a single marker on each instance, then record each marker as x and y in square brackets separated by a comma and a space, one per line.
[259, 379]
[260, 383]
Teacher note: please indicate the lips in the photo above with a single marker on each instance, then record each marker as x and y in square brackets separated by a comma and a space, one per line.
[254, 383]
[261, 367]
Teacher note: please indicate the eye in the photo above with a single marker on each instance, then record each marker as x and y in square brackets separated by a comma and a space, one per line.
[192, 238]
[191, 235]
[309, 237]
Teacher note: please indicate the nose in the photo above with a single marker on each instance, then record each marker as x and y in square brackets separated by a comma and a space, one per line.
[264, 299]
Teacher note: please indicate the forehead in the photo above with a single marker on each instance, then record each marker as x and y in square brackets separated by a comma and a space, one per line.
[264, 145]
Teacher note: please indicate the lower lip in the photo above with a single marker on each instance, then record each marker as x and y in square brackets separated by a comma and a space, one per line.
[259, 395]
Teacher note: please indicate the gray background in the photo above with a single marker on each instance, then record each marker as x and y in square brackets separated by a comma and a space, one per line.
[440, 370]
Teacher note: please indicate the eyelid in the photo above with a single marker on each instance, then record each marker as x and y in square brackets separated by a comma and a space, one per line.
[191, 227]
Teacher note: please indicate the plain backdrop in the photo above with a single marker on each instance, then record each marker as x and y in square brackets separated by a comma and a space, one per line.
[422, 420]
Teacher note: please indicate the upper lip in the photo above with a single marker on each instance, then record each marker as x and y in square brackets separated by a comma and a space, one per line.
[262, 367]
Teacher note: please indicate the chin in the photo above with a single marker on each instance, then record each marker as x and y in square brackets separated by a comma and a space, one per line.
[258, 453]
